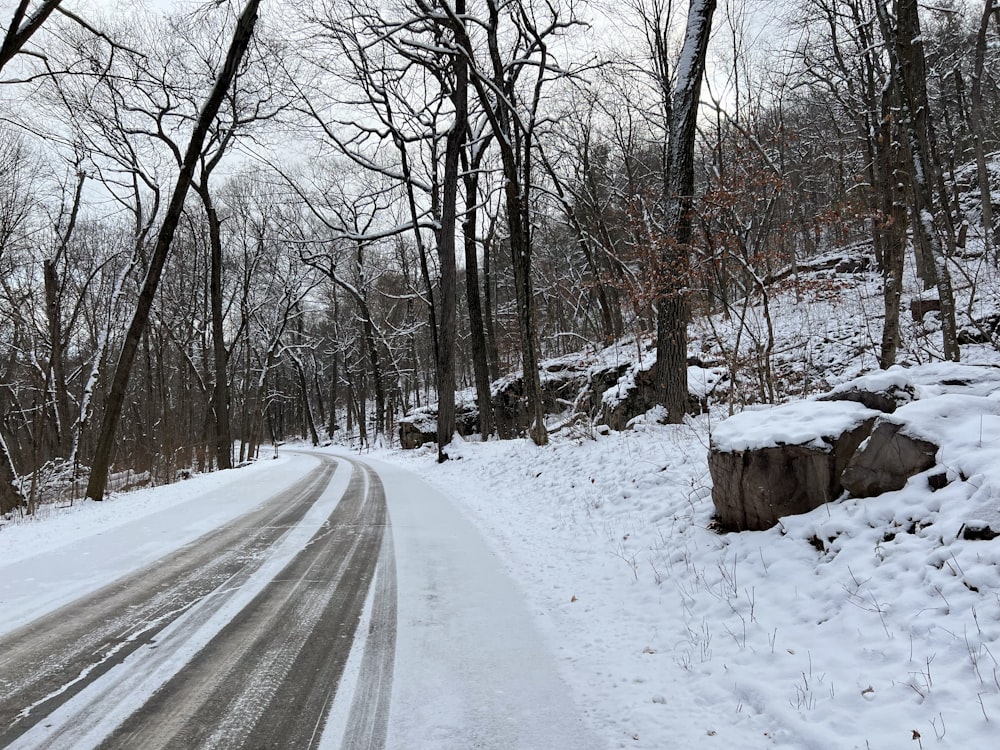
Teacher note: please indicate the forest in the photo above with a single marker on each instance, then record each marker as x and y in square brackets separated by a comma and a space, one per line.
[226, 225]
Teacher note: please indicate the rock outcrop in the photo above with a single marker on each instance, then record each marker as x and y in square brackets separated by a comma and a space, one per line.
[869, 436]
[756, 479]
[420, 426]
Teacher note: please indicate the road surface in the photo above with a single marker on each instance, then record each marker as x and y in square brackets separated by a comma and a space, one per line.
[288, 629]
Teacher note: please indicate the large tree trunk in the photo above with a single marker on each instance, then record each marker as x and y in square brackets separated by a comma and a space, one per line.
[447, 332]
[671, 309]
[909, 69]
[123, 370]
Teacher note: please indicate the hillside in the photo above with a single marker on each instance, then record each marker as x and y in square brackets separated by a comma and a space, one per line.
[868, 623]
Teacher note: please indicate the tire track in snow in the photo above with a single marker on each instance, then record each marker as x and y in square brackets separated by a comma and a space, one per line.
[47, 662]
[265, 672]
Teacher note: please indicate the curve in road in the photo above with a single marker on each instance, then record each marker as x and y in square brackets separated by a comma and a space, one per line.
[212, 649]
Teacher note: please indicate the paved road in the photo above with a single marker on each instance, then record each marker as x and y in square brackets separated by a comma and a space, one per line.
[233, 641]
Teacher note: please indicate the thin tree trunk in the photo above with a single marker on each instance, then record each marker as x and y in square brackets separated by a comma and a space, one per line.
[306, 406]
[220, 394]
[10, 496]
[116, 397]
[53, 310]
[890, 228]
[492, 352]
[477, 332]
[991, 235]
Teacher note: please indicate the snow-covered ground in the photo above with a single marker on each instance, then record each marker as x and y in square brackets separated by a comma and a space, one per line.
[860, 625]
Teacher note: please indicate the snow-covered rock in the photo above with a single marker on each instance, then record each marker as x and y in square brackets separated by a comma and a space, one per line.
[785, 460]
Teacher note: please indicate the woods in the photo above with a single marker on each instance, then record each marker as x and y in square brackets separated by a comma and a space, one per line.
[228, 225]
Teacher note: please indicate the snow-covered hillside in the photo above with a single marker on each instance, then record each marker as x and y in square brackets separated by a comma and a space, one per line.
[867, 623]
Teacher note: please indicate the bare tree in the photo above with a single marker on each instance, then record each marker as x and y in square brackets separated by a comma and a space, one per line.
[510, 87]
[23, 25]
[112, 411]
[671, 308]
[991, 233]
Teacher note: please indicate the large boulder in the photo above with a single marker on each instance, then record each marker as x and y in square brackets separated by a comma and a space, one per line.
[420, 425]
[885, 397]
[633, 393]
[954, 412]
[770, 463]
[887, 461]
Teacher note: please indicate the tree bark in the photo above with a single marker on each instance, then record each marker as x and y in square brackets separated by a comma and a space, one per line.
[10, 497]
[477, 330]
[22, 27]
[242, 35]
[447, 332]
[54, 314]
[671, 308]
[306, 406]
[889, 226]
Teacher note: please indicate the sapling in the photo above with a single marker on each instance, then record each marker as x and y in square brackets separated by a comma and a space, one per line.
[939, 734]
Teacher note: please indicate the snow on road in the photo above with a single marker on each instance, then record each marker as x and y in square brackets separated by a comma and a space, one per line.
[470, 669]
[73, 551]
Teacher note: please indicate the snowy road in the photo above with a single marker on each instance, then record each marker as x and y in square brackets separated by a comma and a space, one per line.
[286, 627]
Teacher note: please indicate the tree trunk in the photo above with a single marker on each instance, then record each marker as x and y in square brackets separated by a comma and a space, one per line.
[991, 236]
[447, 332]
[10, 497]
[520, 248]
[53, 312]
[113, 406]
[22, 28]
[220, 394]
[671, 308]
[306, 406]
[909, 68]
[477, 331]
[57, 356]
[492, 351]
[890, 227]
